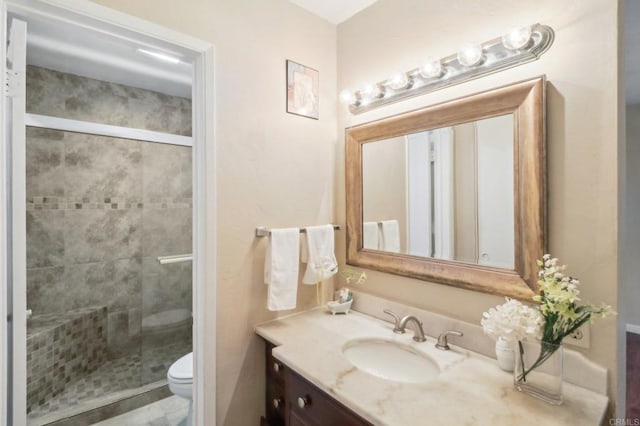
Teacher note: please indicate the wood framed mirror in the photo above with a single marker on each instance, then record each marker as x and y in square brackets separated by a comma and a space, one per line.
[453, 193]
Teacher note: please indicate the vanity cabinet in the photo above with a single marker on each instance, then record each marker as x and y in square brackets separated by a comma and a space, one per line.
[276, 403]
[293, 401]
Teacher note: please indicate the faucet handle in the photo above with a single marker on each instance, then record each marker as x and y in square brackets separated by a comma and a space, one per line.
[396, 328]
[442, 343]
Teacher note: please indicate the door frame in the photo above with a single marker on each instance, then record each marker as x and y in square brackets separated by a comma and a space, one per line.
[204, 182]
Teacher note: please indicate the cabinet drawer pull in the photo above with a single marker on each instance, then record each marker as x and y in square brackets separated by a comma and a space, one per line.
[304, 401]
[277, 402]
[277, 367]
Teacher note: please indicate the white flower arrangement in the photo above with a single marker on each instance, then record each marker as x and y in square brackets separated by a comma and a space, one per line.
[557, 298]
[512, 321]
[556, 316]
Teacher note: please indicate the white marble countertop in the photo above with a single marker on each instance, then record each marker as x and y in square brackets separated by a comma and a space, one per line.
[470, 390]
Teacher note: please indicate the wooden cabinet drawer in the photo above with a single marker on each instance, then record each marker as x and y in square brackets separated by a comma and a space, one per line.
[276, 407]
[275, 369]
[317, 408]
[275, 404]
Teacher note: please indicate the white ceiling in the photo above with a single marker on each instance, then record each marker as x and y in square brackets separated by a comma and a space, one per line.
[67, 48]
[334, 11]
[632, 51]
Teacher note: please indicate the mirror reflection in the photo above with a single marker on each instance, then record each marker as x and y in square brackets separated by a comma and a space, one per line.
[445, 193]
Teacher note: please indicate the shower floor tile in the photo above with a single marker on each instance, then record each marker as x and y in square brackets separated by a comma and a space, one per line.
[128, 372]
[112, 376]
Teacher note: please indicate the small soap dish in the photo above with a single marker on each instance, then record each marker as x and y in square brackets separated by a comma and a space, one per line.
[335, 307]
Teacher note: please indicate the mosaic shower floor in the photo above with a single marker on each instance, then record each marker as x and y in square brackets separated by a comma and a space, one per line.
[128, 372]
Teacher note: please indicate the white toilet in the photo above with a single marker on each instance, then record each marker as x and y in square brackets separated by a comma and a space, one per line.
[180, 378]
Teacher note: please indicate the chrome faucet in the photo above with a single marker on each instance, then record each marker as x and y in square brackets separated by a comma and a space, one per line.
[418, 336]
[401, 325]
[396, 318]
[442, 339]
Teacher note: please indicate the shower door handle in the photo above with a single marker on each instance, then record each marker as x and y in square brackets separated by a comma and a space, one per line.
[29, 313]
[164, 260]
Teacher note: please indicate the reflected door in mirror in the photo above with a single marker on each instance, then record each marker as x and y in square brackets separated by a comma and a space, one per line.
[445, 193]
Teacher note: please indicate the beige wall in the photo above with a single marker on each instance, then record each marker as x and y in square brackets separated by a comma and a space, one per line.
[384, 184]
[273, 168]
[581, 67]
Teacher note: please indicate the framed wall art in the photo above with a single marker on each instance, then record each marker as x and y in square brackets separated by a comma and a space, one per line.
[302, 90]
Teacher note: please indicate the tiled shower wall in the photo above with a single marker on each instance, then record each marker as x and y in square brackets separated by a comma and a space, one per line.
[100, 209]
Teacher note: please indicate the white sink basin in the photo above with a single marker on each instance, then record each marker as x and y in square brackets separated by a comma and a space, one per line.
[390, 360]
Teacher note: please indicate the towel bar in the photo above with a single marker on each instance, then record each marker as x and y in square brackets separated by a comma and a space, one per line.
[263, 231]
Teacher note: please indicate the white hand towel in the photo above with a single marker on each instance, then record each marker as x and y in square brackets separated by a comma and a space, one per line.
[322, 263]
[281, 268]
[370, 237]
[390, 236]
[304, 248]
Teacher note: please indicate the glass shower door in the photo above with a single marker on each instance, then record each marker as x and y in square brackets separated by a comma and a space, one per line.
[166, 285]
[108, 318]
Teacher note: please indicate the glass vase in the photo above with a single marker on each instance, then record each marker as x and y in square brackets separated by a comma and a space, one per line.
[538, 370]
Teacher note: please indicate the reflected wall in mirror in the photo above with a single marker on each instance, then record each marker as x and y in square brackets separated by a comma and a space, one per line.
[453, 193]
[445, 193]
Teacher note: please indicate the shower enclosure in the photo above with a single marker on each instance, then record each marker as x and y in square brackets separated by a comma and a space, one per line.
[96, 184]
[107, 318]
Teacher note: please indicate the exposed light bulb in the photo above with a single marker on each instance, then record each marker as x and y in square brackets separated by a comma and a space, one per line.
[399, 81]
[470, 54]
[372, 91]
[432, 68]
[346, 97]
[367, 94]
[517, 38]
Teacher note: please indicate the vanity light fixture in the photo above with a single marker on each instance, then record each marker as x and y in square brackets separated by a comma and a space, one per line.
[432, 68]
[347, 97]
[518, 46]
[371, 92]
[517, 38]
[399, 81]
[470, 54]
